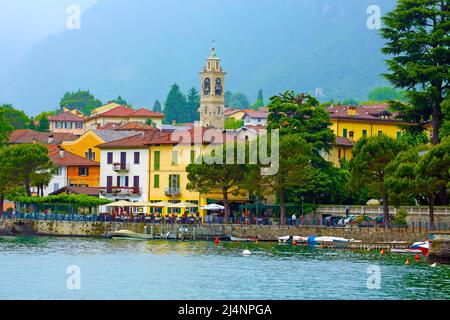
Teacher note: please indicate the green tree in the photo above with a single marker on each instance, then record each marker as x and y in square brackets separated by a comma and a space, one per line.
[31, 162]
[350, 102]
[259, 101]
[5, 130]
[122, 102]
[8, 176]
[174, 109]
[368, 165]
[157, 106]
[417, 34]
[224, 178]
[192, 106]
[294, 170]
[301, 114]
[84, 101]
[385, 94]
[233, 124]
[149, 122]
[17, 118]
[236, 100]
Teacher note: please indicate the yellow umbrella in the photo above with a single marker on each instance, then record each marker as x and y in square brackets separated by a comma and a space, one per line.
[160, 204]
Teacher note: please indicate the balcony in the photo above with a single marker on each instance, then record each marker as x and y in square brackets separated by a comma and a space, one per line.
[121, 167]
[172, 192]
[121, 191]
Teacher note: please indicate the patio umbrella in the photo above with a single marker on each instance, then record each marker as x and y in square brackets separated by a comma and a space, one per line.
[121, 203]
[213, 207]
[160, 204]
[183, 204]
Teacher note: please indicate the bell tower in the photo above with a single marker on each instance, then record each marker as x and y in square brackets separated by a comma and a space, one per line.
[212, 101]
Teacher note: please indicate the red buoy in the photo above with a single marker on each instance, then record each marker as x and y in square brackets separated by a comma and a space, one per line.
[294, 243]
[217, 241]
[417, 257]
[382, 252]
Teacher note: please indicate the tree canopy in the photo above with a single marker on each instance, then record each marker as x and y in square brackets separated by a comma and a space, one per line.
[81, 100]
[236, 100]
[417, 34]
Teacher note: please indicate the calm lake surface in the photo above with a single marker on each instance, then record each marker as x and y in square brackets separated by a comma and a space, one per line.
[36, 268]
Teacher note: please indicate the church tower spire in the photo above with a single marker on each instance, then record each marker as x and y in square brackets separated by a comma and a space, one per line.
[212, 100]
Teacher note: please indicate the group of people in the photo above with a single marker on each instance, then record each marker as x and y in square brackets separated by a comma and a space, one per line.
[293, 221]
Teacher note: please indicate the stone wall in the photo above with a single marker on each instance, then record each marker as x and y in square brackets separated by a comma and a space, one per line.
[265, 233]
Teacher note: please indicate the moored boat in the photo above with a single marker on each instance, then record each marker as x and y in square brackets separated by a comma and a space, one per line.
[417, 247]
[127, 234]
[245, 239]
[287, 239]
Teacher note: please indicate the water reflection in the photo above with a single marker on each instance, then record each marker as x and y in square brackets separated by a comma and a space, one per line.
[127, 269]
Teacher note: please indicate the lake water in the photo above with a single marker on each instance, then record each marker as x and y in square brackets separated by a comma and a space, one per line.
[36, 268]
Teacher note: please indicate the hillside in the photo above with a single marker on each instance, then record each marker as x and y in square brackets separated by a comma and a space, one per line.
[139, 48]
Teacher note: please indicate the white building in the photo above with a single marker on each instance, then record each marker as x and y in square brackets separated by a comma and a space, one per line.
[124, 169]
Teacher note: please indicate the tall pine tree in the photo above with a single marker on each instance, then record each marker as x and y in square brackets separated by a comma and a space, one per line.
[193, 104]
[175, 106]
[157, 106]
[259, 101]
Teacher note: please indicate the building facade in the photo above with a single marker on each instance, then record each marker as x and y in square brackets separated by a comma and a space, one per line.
[67, 122]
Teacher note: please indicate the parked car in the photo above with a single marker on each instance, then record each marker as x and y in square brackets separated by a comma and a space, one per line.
[344, 221]
[331, 221]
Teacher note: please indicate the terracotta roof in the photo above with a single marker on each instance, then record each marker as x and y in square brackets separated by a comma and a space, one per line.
[146, 113]
[134, 125]
[230, 111]
[90, 191]
[340, 141]
[368, 113]
[68, 159]
[257, 114]
[121, 111]
[109, 126]
[65, 116]
[140, 140]
[29, 136]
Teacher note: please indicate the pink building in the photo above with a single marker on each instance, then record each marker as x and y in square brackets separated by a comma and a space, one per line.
[67, 122]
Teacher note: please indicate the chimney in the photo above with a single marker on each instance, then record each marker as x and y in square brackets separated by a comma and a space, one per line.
[50, 139]
[61, 153]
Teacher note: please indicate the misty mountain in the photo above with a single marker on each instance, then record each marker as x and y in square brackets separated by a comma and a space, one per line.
[138, 48]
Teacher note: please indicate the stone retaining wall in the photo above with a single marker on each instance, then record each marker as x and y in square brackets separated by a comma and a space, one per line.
[265, 233]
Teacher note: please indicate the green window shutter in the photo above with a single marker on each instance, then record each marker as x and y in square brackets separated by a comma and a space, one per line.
[345, 133]
[178, 181]
[156, 181]
[157, 159]
[192, 156]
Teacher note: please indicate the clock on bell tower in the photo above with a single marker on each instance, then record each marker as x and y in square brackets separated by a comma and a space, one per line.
[212, 101]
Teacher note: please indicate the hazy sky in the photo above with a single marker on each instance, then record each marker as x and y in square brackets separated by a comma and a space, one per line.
[23, 23]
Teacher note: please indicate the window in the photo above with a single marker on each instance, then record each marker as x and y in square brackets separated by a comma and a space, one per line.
[55, 186]
[83, 171]
[109, 156]
[344, 133]
[58, 124]
[380, 132]
[174, 181]
[137, 156]
[122, 181]
[89, 154]
[78, 125]
[156, 181]
[136, 184]
[175, 157]
[58, 171]
[364, 133]
[157, 158]
[399, 134]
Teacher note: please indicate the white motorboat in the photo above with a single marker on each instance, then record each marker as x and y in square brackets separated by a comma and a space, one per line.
[326, 239]
[130, 235]
[246, 239]
[287, 239]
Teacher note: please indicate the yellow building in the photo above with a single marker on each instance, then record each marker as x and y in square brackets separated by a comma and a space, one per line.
[86, 145]
[168, 178]
[350, 124]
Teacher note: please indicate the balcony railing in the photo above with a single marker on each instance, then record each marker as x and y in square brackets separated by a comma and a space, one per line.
[120, 191]
[121, 166]
[172, 191]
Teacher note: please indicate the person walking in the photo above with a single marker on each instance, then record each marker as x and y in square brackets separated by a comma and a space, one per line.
[294, 219]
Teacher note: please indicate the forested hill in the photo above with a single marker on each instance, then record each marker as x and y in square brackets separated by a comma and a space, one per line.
[139, 48]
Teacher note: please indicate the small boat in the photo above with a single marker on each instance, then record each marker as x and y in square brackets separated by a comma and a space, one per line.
[246, 239]
[287, 239]
[167, 236]
[326, 239]
[127, 234]
[416, 247]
